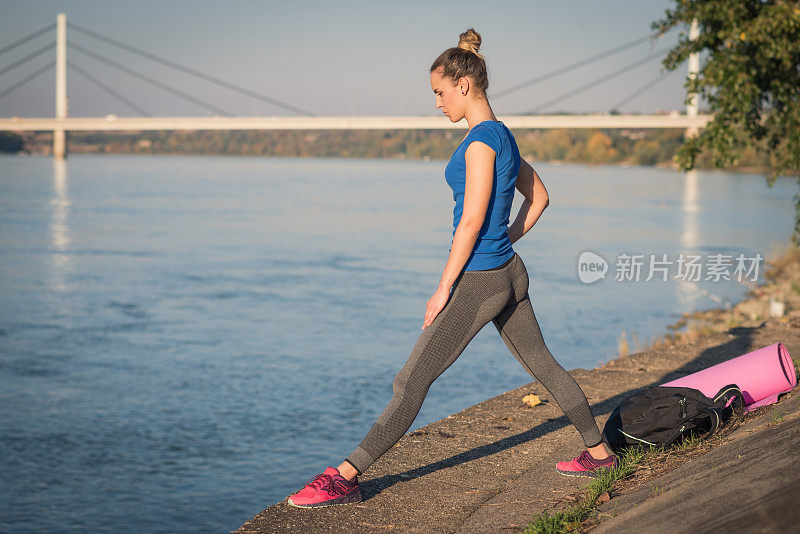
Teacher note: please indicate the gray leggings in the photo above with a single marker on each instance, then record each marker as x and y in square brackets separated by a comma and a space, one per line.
[499, 295]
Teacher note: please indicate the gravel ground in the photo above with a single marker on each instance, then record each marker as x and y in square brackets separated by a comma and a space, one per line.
[491, 467]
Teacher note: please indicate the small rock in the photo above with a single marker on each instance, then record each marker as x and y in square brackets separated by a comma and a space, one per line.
[776, 308]
[603, 498]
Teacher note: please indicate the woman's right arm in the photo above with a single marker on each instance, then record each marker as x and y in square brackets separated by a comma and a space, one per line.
[536, 200]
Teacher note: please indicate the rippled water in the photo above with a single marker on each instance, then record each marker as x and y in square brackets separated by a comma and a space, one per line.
[185, 340]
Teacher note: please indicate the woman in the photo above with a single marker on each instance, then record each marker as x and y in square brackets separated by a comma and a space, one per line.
[483, 280]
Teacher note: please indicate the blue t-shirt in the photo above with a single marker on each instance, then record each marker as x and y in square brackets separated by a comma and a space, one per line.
[492, 248]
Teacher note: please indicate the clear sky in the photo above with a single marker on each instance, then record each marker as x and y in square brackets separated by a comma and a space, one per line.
[336, 58]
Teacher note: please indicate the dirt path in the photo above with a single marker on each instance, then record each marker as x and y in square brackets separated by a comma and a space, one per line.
[491, 467]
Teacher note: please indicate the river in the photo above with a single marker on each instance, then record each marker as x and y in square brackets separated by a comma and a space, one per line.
[184, 340]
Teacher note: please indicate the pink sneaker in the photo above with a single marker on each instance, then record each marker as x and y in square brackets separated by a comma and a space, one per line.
[326, 489]
[586, 466]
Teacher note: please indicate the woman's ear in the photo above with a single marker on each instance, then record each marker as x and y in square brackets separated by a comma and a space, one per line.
[463, 85]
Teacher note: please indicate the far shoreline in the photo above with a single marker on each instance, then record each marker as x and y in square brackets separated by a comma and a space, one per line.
[759, 171]
[645, 147]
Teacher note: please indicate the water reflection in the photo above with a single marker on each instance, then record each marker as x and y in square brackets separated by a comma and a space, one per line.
[690, 207]
[687, 292]
[59, 231]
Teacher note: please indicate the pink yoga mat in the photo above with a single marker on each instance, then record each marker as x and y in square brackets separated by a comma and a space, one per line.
[762, 375]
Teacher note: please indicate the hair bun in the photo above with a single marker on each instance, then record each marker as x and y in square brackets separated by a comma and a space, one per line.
[470, 40]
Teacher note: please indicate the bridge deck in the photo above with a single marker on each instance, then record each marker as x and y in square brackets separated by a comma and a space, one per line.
[112, 122]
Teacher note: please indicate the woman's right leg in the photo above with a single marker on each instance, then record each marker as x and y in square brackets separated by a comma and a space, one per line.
[520, 331]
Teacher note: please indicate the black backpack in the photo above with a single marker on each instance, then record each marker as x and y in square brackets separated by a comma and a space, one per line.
[661, 415]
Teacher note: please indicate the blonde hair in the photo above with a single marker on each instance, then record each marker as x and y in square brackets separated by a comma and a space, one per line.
[464, 60]
[470, 41]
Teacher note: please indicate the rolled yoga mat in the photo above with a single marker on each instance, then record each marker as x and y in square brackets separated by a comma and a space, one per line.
[762, 375]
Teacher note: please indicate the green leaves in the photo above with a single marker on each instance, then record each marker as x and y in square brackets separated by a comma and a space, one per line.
[750, 77]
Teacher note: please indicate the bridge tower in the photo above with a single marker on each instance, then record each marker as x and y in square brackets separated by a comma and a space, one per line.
[694, 68]
[59, 135]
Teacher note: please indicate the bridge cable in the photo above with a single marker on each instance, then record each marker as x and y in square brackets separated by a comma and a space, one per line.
[28, 38]
[108, 89]
[189, 70]
[27, 79]
[165, 87]
[568, 68]
[17, 63]
[642, 89]
[596, 82]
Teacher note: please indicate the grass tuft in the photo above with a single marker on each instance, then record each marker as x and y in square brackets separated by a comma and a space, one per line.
[578, 514]
[570, 519]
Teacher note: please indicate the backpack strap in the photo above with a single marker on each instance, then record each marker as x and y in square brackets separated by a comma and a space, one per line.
[726, 395]
[729, 403]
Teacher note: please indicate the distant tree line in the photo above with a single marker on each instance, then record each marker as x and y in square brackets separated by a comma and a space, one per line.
[592, 146]
[11, 142]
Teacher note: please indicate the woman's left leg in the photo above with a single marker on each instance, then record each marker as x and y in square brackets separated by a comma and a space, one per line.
[477, 298]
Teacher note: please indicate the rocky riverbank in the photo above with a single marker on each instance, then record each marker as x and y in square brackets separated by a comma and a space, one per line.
[490, 467]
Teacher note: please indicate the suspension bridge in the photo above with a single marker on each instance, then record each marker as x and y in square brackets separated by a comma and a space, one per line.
[302, 119]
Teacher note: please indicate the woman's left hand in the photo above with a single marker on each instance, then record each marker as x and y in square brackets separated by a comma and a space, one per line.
[435, 305]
